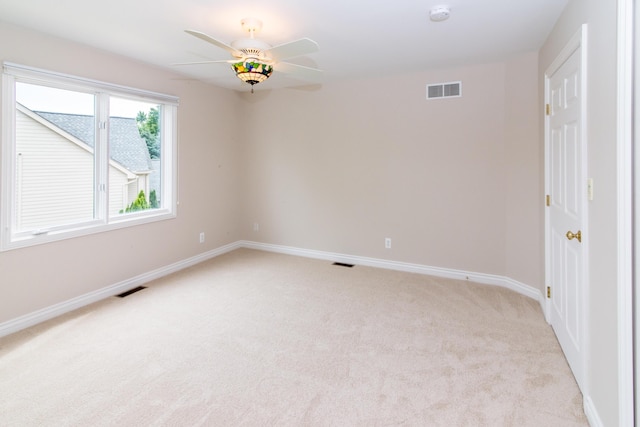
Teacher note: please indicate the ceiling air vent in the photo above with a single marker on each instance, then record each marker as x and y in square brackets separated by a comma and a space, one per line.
[444, 90]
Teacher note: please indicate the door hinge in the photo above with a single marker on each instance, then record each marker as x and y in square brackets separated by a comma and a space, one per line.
[548, 200]
[548, 109]
[548, 291]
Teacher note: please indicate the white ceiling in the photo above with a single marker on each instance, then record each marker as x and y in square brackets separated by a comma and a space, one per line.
[356, 37]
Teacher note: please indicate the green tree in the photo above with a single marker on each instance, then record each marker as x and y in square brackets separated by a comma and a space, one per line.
[153, 200]
[149, 128]
[139, 204]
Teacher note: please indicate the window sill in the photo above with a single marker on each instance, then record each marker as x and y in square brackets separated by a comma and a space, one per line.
[72, 233]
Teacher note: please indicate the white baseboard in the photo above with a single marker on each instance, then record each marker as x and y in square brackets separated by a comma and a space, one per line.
[22, 322]
[50, 312]
[487, 279]
[592, 413]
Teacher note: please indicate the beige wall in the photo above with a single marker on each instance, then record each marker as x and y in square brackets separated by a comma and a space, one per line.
[602, 356]
[524, 155]
[38, 277]
[341, 168]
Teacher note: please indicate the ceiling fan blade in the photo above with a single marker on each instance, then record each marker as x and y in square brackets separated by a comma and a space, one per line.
[229, 61]
[209, 39]
[295, 48]
[299, 71]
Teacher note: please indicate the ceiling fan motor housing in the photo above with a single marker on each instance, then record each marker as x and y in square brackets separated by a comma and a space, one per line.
[251, 47]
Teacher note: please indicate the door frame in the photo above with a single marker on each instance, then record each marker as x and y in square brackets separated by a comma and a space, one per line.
[577, 42]
[627, 231]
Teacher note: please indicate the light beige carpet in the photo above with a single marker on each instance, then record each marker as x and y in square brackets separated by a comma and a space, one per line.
[260, 339]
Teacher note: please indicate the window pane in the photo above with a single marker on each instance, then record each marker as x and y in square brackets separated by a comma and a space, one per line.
[54, 165]
[135, 147]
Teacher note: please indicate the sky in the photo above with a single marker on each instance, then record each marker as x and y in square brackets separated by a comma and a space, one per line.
[42, 98]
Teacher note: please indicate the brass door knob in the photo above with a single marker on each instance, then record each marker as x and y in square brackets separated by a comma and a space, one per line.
[577, 235]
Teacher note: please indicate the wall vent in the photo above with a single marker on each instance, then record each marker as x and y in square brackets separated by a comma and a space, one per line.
[131, 291]
[444, 90]
[342, 264]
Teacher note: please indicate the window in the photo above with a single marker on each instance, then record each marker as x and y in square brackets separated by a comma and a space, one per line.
[80, 156]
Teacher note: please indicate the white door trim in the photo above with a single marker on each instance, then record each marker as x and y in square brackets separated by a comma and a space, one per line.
[578, 41]
[625, 212]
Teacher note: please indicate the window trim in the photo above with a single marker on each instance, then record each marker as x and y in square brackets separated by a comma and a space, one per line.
[8, 238]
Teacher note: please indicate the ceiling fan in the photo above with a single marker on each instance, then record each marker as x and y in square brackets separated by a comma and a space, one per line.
[254, 60]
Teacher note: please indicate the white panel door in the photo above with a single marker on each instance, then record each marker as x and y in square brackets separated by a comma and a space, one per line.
[566, 185]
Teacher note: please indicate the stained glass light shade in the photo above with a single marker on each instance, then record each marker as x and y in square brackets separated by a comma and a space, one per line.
[252, 72]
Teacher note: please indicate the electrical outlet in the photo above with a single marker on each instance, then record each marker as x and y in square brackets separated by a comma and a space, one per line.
[387, 243]
[202, 237]
[256, 226]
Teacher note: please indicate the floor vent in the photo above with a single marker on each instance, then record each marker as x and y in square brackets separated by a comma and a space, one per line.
[131, 291]
[342, 264]
[444, 90]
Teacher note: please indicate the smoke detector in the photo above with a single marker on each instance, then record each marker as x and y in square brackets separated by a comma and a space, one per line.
[440, 13]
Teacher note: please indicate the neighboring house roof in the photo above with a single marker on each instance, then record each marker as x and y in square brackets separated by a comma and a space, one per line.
[126, 146]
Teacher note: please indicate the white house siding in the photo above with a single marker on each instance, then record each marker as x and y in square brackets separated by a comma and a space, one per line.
[54, 178]
[133, 190]
[154, 178]
[117, 191]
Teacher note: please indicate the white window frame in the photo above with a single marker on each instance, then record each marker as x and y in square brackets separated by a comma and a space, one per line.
[9, 238]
